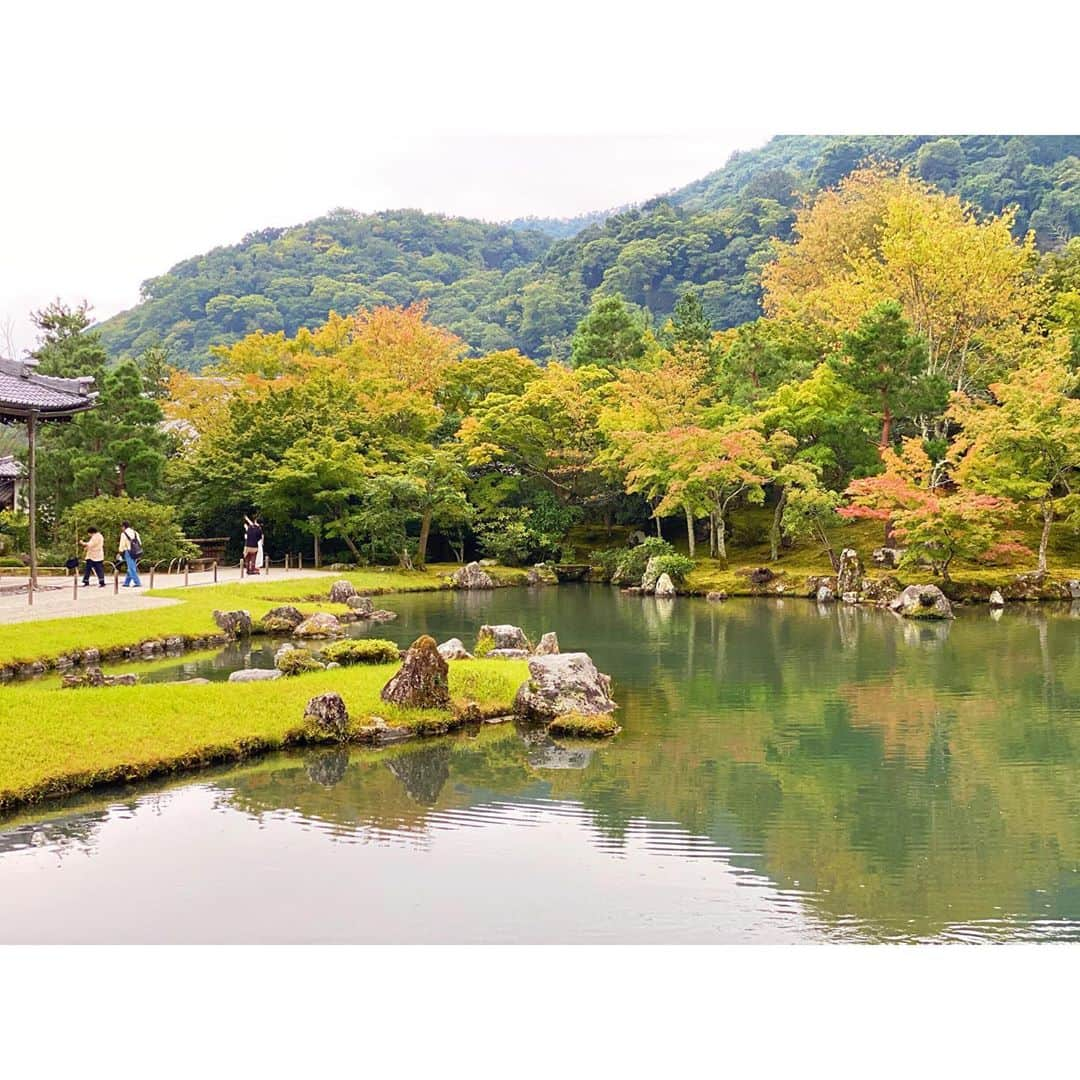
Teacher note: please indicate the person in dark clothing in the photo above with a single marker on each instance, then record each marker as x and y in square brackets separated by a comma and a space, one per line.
[252, 535]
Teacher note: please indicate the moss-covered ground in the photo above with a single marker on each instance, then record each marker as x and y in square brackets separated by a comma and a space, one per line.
[55, 741]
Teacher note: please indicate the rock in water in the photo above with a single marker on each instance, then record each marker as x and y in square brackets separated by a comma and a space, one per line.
[564, 683]
[362, 605]
[255, 674]
[825, 595]
[849, 572]
[454, 649]
[503, 636]
[421, 682]
[1074, 589]
[665, 586]
[996, 599]
[922, 602]
[93, 676]
[327, 712]
[320, 625]
[716, 596]
[472, 576]
[327, 767]
[234, 623]
[549, 644]
[282, 620]
[651, 575]
[340, 592]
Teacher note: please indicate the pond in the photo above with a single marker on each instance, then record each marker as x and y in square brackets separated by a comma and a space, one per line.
[786, 773]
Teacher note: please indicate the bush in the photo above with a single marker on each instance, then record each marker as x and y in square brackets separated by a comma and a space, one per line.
[297, 662]
[10, 560]
[361, 651]
[675, 566]
[632, 562]
[156, 524]
[16, 528]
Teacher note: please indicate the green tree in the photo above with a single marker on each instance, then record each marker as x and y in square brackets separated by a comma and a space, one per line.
[1025, 444]
[114, 449]
[689, 325]
[885, 362]
[67, 347]
[608, 336]
[161, 534]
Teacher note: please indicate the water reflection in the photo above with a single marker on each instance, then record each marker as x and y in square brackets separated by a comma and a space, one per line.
[854, 775]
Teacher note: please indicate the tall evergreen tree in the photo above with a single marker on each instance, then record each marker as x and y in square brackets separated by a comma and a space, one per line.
[608, 336]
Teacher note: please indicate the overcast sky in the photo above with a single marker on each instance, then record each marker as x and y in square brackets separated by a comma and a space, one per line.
[136, 134]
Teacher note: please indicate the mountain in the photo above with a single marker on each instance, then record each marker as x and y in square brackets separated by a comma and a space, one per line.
[526, 284]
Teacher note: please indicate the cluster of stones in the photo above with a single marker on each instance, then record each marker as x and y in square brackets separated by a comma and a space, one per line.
[92, 676]
[851, 586]
[501, 642]
[653, 582]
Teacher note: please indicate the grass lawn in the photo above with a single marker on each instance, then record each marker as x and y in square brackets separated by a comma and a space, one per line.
[55, 741]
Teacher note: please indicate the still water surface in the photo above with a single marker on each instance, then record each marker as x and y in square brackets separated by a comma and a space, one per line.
[786, 773]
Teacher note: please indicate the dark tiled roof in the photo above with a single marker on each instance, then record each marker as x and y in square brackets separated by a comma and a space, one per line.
[10, 468]
[23, 391]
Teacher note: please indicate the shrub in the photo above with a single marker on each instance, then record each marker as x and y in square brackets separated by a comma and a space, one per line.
[632, 562]
[10, 560]
[16, 529]
[162, 537]
[675, 566]
[361, 651]
[297, 662]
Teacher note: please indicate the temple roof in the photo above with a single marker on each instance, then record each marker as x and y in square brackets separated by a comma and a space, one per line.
[23, 391]
[10, 469]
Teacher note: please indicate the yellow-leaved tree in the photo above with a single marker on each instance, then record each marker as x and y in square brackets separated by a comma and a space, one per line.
[965, 283]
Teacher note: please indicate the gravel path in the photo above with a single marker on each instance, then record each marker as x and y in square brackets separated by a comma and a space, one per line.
[54, 600]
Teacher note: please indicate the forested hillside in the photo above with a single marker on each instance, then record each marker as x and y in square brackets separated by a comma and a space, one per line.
[528, 284]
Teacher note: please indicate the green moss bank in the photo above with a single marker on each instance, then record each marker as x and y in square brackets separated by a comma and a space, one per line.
[56, 742]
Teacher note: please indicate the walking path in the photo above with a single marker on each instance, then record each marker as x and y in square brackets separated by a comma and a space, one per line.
[55, 599]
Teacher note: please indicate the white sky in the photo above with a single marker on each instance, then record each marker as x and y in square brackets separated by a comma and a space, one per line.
[137, 134]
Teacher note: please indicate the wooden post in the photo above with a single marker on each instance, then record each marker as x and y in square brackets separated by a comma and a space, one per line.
[153, 567]
[75, 584]
[115, 579]
[215, 571]
[31, 468]
[300, 561]
[186, 565]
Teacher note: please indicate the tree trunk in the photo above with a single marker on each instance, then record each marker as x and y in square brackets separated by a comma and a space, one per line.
[712, 535]
[721, 528]
[352, 547]
[1044, 540]
[689, 530]
[776, 532]
[886, 424]
[608, 518]
[658, 532]
[421, 544]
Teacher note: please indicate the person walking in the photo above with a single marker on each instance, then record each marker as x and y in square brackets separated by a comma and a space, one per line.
[253, 535]
[130, 550]
[94, 554]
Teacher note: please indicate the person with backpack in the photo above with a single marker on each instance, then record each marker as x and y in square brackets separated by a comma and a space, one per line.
[130, 551]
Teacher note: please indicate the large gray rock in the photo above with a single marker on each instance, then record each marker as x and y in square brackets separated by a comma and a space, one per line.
[422, 680]
[1074, 589]
[282, 619]
[340, 592]
[549, 644]
[849, 572]
[651, 575]
[362, 605]
[825, 595]
[320, 625]
[234, 623]
[472, 576]
[996, 599]
[922, 602]
[564, 683]
[327, 712]
[454, 649]
[665, 587]
[255, 674]
[501, 636]
[888, 557]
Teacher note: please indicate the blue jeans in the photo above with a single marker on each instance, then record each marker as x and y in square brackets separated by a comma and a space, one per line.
[132, 571]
